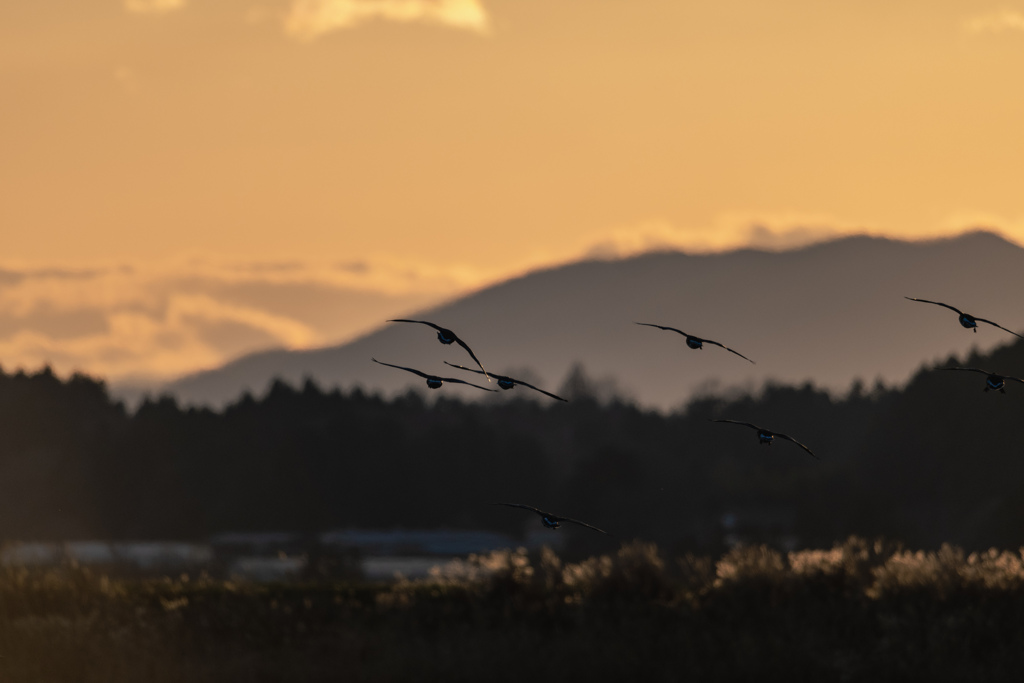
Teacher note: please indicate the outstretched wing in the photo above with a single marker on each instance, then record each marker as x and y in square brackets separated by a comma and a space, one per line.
[576, 521]
[982, 320]
[1015, 379]
[525, 507]
[789, 438]
[507, 379]
[457, 339]
[415, 372]
[708, 341]
[984, 372]
[662, 327]
[737, 422]
[937, 303]
[546, 393]
[481, 372]
[460, 381]
[421, 322]
[473, 355]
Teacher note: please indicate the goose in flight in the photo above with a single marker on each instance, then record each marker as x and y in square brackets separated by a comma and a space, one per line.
[433, 381]
[765, 437]
[967, 320]
[446, 336]
[507, 382]
[993, 382]
[552, 521]
[697, 342]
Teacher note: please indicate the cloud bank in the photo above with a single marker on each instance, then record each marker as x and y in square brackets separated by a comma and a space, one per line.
[153, 6]
[151, 322]
[306, 20]
[771, 233]
[309, 19]
[732, 231]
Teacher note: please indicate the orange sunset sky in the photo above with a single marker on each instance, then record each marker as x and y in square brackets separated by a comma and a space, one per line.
[184, 181]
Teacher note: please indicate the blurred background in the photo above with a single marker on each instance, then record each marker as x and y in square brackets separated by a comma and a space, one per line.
[209, 209]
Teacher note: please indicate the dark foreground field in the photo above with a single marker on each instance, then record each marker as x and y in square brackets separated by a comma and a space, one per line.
[862, 611]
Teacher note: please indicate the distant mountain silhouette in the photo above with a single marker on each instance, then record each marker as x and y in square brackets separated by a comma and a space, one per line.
[832, 312]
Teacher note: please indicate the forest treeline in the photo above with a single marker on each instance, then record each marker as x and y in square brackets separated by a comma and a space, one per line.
[936, 461]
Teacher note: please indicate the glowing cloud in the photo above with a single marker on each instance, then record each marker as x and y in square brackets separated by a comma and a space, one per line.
[309, 19]
[996, 22]
[731, 231]
[158, 320]
[153, 6]
[165, 319]
[771, 233]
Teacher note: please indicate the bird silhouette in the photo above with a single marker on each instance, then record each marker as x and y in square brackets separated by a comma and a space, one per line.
[552, 521]
[433, 381]
[446, 336]
[507, 382]
[967, 320]
[765, 436]
[993, 382]
[696, 342]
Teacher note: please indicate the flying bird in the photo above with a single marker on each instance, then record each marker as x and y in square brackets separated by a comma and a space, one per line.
[993, 382]
[967, 320]
[507, 382]
[446, 336]
[765, 436]
[433, 381]
[552, 521]
[696, 342]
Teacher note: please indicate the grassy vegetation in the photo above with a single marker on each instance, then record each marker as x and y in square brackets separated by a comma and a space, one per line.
[859, 611]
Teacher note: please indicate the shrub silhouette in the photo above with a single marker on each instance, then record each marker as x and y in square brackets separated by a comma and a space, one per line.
[860, 610]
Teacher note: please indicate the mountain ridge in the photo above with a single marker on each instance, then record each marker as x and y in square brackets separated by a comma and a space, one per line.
[811, 313]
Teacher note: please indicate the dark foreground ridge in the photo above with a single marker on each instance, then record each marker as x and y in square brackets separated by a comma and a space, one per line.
[860, 611]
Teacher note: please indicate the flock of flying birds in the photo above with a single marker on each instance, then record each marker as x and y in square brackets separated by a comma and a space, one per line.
[993, 382]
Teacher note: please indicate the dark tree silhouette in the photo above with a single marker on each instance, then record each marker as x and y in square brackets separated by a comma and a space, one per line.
[935, 461]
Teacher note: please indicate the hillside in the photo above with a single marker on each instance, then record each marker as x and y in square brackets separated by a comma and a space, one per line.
[830, 313]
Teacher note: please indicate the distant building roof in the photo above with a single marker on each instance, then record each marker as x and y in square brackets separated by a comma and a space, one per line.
[418, 542]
